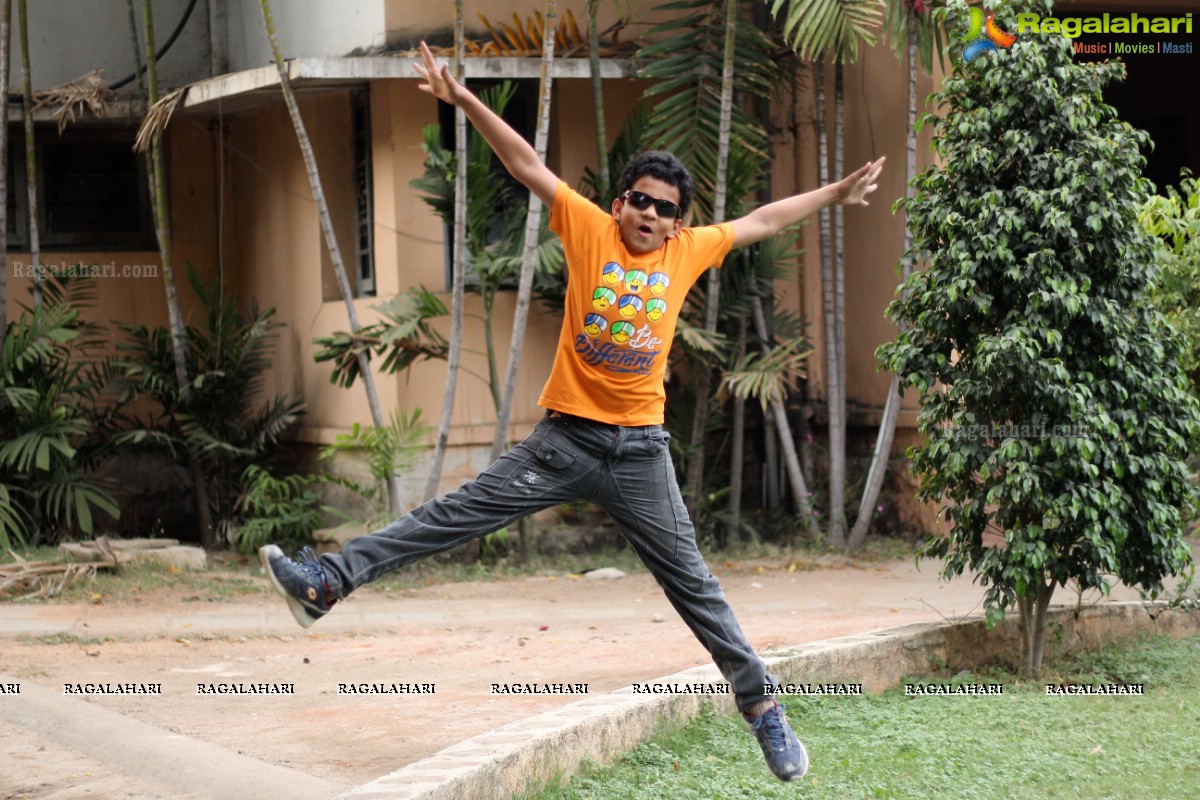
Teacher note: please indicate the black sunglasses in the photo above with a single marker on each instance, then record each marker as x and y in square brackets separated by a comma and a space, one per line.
[642, 201]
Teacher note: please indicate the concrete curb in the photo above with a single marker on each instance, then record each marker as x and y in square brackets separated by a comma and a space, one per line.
[525, 755]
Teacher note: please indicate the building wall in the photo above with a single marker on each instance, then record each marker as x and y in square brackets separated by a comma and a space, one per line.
[304, 28]
[68, 38]
[874, 125]
[356, 27]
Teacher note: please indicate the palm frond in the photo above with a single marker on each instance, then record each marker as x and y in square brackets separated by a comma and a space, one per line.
[524, 37]
[930, 30]
[694, 337]
[15, 523]
[817, 29]
[685, 67]
[70, 497]
[768, 377]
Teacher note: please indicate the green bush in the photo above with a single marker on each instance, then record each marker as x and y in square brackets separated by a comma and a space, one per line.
[385, 451]
[1174, 220]
[56, 418]
[277, 510]
[227, 424]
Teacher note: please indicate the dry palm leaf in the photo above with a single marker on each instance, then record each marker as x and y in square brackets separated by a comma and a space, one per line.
[40, 578]
[88, 92]
[157, 118]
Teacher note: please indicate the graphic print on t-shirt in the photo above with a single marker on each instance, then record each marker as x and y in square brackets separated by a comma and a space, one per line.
[624, 341]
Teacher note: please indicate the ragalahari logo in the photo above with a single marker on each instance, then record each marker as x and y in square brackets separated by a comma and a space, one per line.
[984, 37]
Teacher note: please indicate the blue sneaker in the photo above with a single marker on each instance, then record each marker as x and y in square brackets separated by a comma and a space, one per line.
[786, 757]
[301, 582]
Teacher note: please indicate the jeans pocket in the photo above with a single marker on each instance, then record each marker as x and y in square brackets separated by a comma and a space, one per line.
[554, 456]
[657, 443]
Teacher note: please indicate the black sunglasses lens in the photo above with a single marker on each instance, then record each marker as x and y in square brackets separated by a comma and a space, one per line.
[638, 200]
[664, 208]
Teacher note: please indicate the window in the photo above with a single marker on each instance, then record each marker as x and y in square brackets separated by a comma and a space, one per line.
[343, 139]
[91, 191]
[364, 193]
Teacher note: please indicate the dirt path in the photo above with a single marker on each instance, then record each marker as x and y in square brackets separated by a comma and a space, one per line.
[460, 638]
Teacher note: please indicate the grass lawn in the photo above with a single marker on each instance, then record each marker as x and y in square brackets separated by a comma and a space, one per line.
[1023, 744]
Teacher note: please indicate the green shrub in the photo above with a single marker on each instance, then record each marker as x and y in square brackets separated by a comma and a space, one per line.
[56, 416]
[1174, 220]
[277, 510]
[227, 424]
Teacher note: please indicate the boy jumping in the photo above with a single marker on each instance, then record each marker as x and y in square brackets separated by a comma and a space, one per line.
[602, 438]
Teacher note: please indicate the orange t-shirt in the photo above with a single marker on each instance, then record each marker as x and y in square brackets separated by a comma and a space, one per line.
[620, 312]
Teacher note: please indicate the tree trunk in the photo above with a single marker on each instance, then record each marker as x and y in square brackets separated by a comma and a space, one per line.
[179, 339]
[138, 71]
[784, 428]
[533, 224]
[598, 99]
[837, 401]
[891, 409]
[1033, 622]
[1045, 593]
[695, 472]
[828, 291]
[458, 267]
[737, 455]
[35, 248]
[335, 253]
[771, 447]
[5, 17]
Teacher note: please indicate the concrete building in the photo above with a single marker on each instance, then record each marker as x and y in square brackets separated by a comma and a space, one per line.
[241, 204]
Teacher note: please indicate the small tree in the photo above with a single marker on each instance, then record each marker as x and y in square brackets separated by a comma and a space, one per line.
[1054, 413]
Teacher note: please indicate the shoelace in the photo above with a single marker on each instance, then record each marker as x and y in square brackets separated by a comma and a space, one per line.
[771, 725]
[310, 565]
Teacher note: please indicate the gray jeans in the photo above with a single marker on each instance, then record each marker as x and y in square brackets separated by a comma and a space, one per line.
[627, 471]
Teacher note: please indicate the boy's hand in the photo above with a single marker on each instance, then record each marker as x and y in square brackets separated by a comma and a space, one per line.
[853, 189]
[438, 80]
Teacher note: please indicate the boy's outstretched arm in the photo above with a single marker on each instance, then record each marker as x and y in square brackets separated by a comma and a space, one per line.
[518, 157]
[766, 221]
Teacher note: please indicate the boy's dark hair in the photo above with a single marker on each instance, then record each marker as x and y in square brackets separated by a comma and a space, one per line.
[663, 166]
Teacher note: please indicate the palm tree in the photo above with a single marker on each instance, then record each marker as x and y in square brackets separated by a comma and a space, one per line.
[597, 96]
[533, 224]
[35, 250]
[335, 253]
[5, 16]
[918, 28]
[700, 123]
[458, 267]
[819, 30]
[768, 374]
[712, 297]
[162, 228]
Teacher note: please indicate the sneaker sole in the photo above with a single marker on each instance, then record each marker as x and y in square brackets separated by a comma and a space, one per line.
[298, 609]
